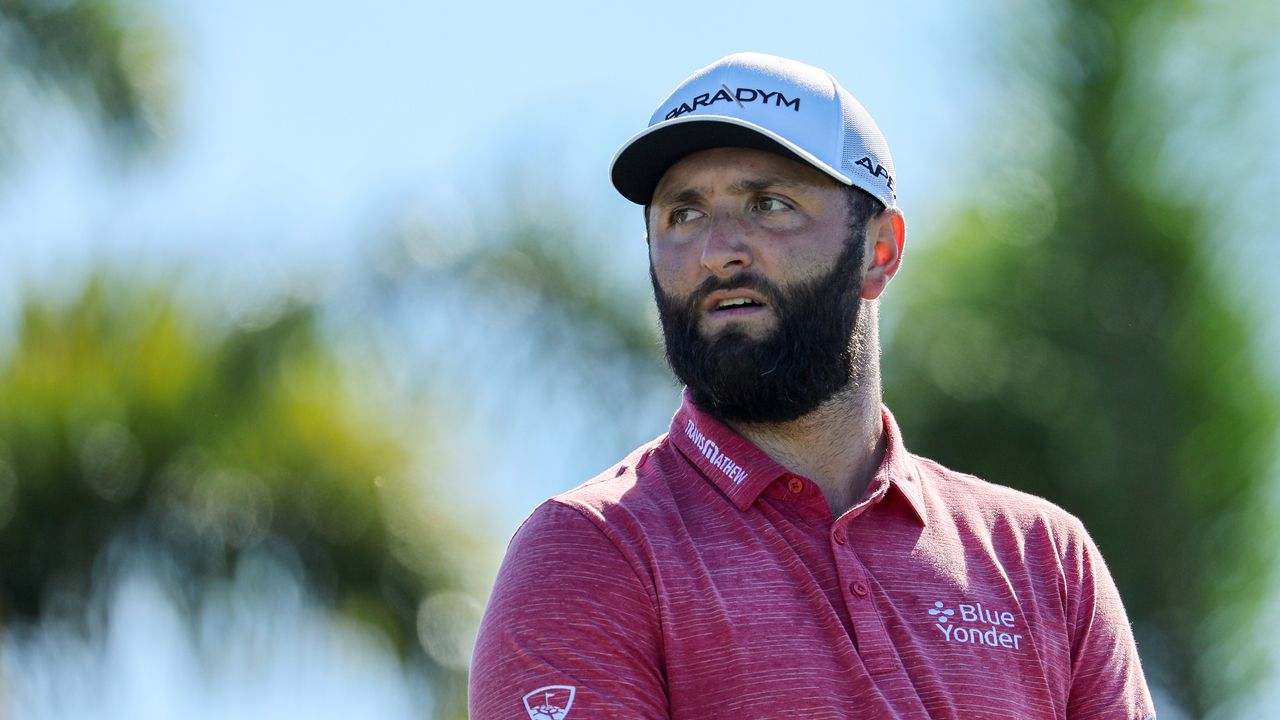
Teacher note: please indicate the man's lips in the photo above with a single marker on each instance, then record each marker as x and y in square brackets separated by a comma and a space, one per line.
[732, 303]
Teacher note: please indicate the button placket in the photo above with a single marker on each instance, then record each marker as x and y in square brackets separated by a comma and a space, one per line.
[873, 642]
[839, 534]
[856, 583]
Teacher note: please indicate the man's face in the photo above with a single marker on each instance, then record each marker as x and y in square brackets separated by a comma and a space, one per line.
[757, 282]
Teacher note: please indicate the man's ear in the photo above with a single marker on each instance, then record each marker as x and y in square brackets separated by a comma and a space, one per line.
[886, 238]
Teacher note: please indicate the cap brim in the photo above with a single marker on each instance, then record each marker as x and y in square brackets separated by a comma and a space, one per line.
[644, 159]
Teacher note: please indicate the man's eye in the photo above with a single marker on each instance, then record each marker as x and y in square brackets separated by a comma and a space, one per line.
[771, 204]
[684, 215]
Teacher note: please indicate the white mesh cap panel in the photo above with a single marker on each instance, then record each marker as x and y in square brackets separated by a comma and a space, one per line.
[866, 159]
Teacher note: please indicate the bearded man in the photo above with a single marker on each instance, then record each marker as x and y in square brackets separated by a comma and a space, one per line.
[779, 553]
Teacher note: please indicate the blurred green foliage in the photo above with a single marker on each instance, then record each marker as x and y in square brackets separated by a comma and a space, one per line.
[1075, 338]
[123, 415]
[102, 55]
[127, 420]
[1072, 338]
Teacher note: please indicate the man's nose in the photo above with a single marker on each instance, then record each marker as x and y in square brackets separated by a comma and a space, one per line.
[727, 250]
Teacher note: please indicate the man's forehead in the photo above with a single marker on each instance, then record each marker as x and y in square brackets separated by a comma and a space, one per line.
[735, 170]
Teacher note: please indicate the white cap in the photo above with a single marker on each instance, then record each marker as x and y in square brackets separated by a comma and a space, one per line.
[767, 103]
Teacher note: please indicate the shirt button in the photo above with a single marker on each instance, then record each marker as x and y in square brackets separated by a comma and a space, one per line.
[858, 588]
[795, 485]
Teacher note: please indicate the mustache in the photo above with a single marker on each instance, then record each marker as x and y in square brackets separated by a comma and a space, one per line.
[764, 288]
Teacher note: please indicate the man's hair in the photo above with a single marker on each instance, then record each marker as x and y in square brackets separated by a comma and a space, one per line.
[862, 207]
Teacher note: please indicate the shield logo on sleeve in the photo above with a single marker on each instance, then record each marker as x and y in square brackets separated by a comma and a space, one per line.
[549, 703]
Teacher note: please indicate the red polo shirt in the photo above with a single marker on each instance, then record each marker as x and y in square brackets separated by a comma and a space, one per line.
[700, 579]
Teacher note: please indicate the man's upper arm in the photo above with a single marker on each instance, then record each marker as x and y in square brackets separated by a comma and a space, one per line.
[1106, 675]
[569, 621]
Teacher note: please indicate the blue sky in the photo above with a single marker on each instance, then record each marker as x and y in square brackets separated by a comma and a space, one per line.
[298, 126]
[293, 121]
[297, 129]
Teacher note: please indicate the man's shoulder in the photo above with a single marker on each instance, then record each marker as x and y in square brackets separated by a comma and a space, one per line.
[970, 498]
[636, 480]
[635, 491]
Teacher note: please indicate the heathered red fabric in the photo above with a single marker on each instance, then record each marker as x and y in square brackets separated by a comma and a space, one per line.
[700, 579]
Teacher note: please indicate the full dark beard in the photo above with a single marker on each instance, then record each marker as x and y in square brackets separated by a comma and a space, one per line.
[806, 360]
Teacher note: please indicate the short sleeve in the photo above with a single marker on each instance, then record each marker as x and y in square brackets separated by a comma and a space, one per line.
[1106, 674]
[569, 626]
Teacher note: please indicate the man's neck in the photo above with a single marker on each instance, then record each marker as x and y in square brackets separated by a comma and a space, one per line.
[839, 446]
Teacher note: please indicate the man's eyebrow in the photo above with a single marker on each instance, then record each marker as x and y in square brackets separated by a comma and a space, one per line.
[679, 196]
[741, 187]
[760, 184]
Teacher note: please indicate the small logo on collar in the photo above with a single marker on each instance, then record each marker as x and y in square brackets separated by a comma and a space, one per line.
[712, 453]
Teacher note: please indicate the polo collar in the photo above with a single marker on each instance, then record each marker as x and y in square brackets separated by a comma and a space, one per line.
[742, 471]
[731, 462]
[897, 470]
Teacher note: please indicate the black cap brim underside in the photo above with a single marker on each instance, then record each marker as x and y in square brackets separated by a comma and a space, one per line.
[638, 168]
